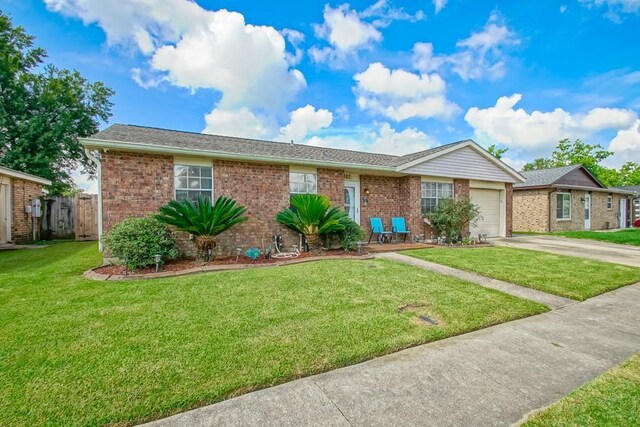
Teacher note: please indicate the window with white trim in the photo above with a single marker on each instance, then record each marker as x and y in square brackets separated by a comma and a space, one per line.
[433, 192]
[563, 209]
[302, 183]
[193, 181]
[609, 202]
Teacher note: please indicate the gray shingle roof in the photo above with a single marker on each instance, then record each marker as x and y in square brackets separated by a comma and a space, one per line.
[632, 188]
[544, 177]
[242, 146]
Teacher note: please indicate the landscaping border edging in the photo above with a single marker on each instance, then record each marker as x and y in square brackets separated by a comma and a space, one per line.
[93, 275]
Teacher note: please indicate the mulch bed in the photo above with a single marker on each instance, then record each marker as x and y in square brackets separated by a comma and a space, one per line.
[187, 264]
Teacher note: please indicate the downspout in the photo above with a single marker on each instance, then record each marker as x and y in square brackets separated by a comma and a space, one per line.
[550, 216]
[98, 163]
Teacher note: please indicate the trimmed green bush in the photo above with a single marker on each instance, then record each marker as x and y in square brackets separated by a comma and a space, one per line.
[351, 235]
[140, 239]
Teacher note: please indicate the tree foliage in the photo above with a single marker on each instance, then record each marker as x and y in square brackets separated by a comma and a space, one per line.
[452, 216]
[44, 110]
[497, 152]
[591, 157]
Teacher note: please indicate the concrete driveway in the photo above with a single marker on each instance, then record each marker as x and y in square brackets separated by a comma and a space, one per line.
[590, 249]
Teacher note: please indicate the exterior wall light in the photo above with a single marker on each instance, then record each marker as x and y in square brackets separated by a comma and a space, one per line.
[365, 199]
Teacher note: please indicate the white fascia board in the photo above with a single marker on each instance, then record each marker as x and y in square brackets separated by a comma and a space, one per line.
[136, 147]
[25, 176]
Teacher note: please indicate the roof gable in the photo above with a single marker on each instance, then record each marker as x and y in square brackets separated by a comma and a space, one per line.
[467, 160]
[570, 176]
[579, 177]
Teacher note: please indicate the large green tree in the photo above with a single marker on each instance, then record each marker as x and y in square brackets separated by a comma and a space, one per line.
[591, 156]
[44, 110]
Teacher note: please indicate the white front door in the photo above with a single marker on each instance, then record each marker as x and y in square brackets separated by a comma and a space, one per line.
[352, 200]
[587, 211]
[4, 213]
[623, 213]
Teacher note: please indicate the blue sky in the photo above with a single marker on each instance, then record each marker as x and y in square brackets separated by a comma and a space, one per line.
[385, 76]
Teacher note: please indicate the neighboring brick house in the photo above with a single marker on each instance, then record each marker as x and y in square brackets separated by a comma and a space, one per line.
[143, 168]
[567, 198]
[18, 191]
[635, 203]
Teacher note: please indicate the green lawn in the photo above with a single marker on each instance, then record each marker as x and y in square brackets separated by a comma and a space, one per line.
[613, 399]
[566, 276]
[629, 236]
[81, 352]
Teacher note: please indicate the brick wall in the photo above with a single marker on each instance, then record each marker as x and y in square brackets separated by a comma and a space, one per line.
[509, 209]
[461, 188]
[411, 204]
[600, 214]
[384, 200]
[331, 184]
[530, 210]
[23, 192]
[134, 185]
[264, 190]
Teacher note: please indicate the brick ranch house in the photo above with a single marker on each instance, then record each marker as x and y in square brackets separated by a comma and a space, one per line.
[568, 198]
[18, 191]
[635, 202]
[142, 168]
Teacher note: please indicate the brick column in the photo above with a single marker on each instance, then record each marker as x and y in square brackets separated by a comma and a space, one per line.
[509, 209]
[460, 188]
[331, 184]
[411, 203]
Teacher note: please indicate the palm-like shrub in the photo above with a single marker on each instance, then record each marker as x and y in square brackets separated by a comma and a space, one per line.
[312, 216]
[203, 219]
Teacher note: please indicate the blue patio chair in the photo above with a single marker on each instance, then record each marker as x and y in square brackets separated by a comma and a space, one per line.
[398, 226]
[378, 228]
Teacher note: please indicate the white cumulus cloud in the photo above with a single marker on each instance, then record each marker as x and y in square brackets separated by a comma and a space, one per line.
[347, 31]
[197, 48]
[400, 94]
[536, 131]
[615, 7]
[305, 120]
[439, 5]
[242, 123]
[383, 139]
[626, 144]
[480, 56]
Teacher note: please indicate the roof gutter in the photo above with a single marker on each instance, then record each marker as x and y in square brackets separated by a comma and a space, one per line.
[91, 143]
[25, 176]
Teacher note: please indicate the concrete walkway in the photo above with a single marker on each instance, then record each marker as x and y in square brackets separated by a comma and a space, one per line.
[551, 301]
[491, 377]
[583, 248]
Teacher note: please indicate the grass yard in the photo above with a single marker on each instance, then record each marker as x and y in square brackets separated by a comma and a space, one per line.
[613, 399]
[630, 236]
[81, 352]
[566, 276]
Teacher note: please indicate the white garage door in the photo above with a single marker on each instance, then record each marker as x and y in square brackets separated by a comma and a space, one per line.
[489, 203]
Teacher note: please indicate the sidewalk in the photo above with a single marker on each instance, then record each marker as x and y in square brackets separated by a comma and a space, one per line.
[550, 300]
[491, 377]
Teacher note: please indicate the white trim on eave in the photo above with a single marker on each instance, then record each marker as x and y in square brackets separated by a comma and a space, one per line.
[468, 143]
[25, 176]
[176, 151]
